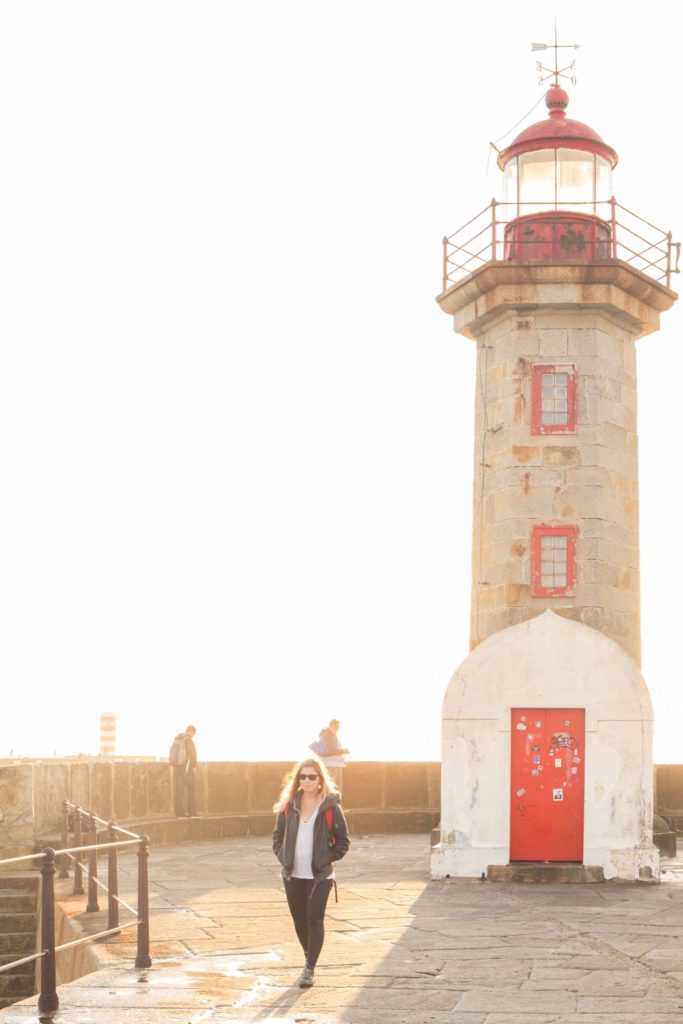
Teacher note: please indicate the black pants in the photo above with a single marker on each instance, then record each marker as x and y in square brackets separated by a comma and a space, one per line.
[307, 903]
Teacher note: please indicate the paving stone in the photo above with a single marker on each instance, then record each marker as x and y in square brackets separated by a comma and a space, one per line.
[615, 1004]
[529, 1018]
[399, 948]
[540, 973]
[616, 983]
[480, 999]
[479, 972]
[572, 1018]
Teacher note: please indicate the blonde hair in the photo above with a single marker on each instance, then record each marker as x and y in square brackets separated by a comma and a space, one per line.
[291, 784]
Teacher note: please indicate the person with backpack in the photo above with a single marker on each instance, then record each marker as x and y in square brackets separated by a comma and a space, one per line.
[183, 758]
[333, 754]
[310, 834]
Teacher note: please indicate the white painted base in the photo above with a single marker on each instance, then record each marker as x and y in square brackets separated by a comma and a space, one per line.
[450, 862]
[632, 865]
[547, 662]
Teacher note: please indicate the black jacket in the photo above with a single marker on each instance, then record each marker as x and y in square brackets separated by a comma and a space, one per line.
[328, 844]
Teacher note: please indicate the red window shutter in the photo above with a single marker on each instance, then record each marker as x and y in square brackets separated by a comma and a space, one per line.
[538, 425]
[553, 564]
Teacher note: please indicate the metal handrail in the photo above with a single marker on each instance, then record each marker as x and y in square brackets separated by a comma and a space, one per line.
[94, 846]
[122, 903]
[97, 935]
[24, 960]
[71, 808]
[100, 883]
[48, 1000]
[17, 860]
[659, 258]
[69, 945]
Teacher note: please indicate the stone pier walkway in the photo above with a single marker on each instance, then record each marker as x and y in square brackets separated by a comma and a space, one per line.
[400, 949]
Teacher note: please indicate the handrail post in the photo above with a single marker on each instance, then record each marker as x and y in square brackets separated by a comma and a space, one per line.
[143, 959]
[48, 999]
[112, 880]
[93, 905]
[668, 259]
[78, 841]
[493, 228]
[445, 263]
[64, 860]
[613, 224]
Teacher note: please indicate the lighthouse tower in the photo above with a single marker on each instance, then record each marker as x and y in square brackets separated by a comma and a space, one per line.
[547, 725]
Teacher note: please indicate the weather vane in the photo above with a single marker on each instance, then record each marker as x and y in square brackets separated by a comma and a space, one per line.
[556, 72]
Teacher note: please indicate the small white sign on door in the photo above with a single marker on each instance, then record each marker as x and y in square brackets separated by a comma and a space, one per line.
[558, 794]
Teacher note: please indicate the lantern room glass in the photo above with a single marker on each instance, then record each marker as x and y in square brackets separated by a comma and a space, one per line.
[551, 179]
[576, 180]
[537, 180]
[603, 180]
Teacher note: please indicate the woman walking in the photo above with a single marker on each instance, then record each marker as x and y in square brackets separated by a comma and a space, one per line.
[310, 835]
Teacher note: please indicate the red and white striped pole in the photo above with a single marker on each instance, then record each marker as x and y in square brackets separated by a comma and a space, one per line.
[107, 734]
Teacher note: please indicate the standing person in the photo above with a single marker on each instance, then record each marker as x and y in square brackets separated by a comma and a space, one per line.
[334, 759]
[183, 757]
[310, 835]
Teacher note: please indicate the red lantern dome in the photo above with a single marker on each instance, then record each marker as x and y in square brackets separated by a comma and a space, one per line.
[558, 185]
[556, 132]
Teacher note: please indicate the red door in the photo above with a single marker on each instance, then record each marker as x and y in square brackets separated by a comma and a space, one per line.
[546, 810]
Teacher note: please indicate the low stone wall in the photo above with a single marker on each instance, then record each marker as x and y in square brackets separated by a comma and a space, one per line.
[378, 795]
[72, 963]
[669, 794]
[17, 826]
[31, 795]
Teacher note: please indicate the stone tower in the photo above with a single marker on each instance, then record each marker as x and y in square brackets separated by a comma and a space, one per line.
[555, 322]
[554, 285]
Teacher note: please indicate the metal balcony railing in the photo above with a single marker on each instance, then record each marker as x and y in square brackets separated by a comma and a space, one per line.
[48, 1000]
[532, 231]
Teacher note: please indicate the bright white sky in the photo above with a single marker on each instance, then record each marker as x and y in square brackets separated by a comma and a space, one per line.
[237, 430]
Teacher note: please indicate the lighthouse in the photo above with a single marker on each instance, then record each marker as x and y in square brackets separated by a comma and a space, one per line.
[547, 724]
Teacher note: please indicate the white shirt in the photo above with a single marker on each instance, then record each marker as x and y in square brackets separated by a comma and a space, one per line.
[333, 760]
[303, 851]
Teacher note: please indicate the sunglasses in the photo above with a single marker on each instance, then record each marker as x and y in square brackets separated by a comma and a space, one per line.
[304, 775]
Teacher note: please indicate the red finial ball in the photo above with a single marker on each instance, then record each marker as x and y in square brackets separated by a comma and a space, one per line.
[556, 98]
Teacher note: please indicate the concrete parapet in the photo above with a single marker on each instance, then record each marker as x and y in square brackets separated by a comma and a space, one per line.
[234, 798]
[669, 794]
[17, 803]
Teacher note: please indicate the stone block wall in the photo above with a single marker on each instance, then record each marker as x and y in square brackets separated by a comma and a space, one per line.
[17, 804]
[128, 791]
[669, 794]
[378, 796]
[588, 478]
